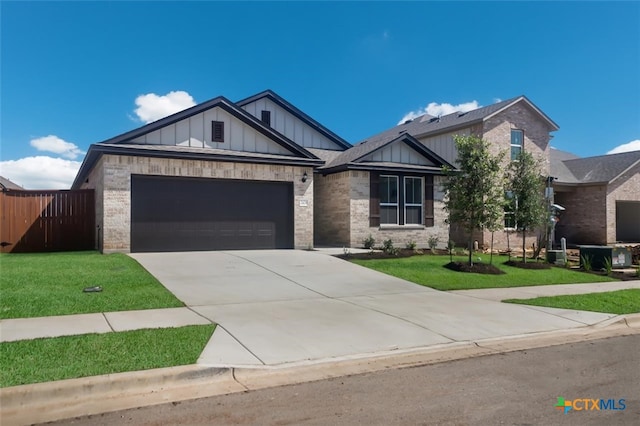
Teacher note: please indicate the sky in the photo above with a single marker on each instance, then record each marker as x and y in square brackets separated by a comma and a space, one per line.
[80, 72]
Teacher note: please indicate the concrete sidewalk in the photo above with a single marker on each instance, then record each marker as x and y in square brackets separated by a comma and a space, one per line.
[500, 294]
[69, 325]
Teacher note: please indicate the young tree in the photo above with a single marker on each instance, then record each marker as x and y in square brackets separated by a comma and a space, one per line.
[475, 191]
[526, 185]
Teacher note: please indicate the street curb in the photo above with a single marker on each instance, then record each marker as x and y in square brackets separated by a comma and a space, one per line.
[43, 402]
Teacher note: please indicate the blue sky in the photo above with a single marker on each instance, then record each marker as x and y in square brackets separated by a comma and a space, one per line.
[71, 72]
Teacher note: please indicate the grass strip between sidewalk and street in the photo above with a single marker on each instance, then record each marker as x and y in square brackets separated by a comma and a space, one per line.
[47, 284]
[429, 270]
[612, 302]
[44, 360]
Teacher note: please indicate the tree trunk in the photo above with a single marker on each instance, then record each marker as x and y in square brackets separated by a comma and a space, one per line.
[524, 246]
[491, 252]
[471, 249]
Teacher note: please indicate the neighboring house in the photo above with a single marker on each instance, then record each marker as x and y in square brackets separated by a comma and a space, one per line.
[219, 175]
[509, 126]
[601, 196]
[7, 185]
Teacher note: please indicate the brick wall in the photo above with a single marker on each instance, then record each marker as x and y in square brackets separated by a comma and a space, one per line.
[625, 188]
[116, 171]
[497, 131]
[585, 218]
[400, 235]
[332, 209]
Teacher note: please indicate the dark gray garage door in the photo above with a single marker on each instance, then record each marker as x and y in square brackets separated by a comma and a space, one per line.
[184, 214]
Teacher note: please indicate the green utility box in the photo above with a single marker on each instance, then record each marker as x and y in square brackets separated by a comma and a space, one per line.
[620, 256]
[557, 257]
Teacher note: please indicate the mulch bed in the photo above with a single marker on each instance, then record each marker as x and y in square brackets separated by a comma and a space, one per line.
[478, 268]
[528, 265]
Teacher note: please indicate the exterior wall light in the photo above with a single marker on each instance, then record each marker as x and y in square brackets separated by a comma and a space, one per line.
[305, 177]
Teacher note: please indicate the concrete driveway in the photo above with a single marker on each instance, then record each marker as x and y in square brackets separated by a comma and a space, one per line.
[282, 306]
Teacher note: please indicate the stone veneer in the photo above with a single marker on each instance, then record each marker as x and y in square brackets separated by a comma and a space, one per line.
[342, 214]
[111, 178]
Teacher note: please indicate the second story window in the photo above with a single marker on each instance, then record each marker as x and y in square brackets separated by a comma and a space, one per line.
[517, 142]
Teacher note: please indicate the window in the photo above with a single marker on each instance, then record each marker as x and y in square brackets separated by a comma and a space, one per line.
[510, 208]
[517, 141]
[217, 131]
[266, 117]
[389, 199]
[401, 200]
[413, 201]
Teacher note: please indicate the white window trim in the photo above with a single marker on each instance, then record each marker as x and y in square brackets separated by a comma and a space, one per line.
[421, 205]
[510, 228]
[396, 204]
[511, 144]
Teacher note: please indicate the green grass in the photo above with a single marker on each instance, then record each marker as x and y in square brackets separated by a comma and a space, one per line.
[613, 302]
[45, 284]
[44, 360]
[429, 271]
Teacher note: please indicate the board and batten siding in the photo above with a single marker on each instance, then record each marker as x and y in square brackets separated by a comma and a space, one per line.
[398, 152]
[290, 125]
[444, 145]
[195, 131]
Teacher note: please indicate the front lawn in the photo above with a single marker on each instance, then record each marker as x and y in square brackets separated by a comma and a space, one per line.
[429, 270]
[612, 302]
[44, 360]
[45, 284]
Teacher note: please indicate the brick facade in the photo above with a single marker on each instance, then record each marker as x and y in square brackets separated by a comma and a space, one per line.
[332, 209]
[111, 177]
[576, 226]
[342, 214]
[497, 131]
[624, 188]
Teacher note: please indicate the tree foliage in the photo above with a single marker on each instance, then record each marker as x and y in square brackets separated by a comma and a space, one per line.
[475, 191]
[525, 184]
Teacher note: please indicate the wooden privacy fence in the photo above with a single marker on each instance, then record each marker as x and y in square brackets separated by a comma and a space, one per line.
[38, 221]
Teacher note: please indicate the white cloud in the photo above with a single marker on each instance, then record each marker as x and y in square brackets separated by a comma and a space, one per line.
[626, 147]
[152, 107]
[435, 109]
[56, 145]
[40, 172]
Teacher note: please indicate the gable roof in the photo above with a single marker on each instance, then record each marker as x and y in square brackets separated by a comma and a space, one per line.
[122, 144]
[427, 125]
[599, 169]
[6, 184]
[277, 99]
[352, 158]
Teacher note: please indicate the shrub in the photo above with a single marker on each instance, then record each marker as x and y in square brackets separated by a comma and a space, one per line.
[608, 266]
[411, 245]
[586, 263]
[433, 242]
[388, 248]
[369, 242]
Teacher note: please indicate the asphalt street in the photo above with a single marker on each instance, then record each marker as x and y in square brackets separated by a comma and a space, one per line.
[517, 388]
